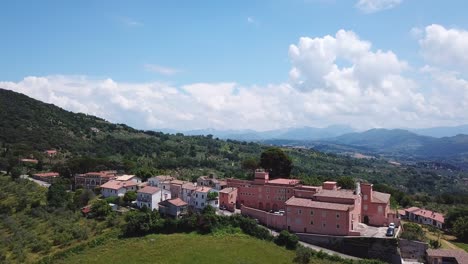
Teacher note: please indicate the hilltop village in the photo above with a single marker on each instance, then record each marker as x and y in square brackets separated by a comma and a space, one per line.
[318, 215]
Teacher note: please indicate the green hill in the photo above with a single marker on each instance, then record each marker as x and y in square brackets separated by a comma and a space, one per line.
[85, 143]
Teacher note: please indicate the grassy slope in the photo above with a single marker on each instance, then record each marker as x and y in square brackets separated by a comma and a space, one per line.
[185, 248]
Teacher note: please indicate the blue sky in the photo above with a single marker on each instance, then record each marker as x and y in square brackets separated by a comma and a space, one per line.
[245, 44]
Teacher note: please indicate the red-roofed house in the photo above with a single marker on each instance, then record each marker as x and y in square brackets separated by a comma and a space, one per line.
[173, 207]
[227, 198]
[200, 198]
[115, 188]
[92, 180]
[150, 197]
[49, 177]
[327, 209]
[51, 152]
[449, 256]
[426, 217]
[375, 206]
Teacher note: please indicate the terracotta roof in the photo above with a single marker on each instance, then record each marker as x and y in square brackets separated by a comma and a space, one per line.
[177, 202]
[380, 197]
[284, 181]
[203, 189]
[401, 212]
[347, 194]
[412, 209]
[460, 255]
[117, 185]
[125, 177]
[178, 182]
[228, 190]
[164, 177]
[430, 214]
[102, 174]
[46, 174]
[329, 182]
[189, 185]
[149, 190]
[302, 202]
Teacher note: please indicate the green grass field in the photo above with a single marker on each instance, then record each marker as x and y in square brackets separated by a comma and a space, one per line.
[185, 248]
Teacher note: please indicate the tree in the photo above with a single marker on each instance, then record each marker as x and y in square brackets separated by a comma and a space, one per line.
[130, 196]
[250, 165]
[346, 182]
[287, 239]
[82, 197]
[460, 228]
[100, 209]
[276, 162]
[57, 195]
[303, 255]
[212, 196]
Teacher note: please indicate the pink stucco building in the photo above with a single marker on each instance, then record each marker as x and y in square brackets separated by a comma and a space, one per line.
[326, 209]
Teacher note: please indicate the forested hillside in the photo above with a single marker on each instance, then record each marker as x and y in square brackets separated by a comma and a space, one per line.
[85, 143]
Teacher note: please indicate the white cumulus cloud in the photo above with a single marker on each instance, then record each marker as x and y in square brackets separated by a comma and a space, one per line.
[445, 47]
[334, 79]
[372, 6]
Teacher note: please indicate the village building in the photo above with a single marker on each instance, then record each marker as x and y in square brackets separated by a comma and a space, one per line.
[425, 217]
[188, 189]
[125, 177]
[51, 152]
[48, 177]
[227, 198]
[114, 188]
[161, 181]
[200, 198]
[211, 181]
[449, 256]
[327, 209]
[91, 180]
[176, 188]
[205, 180]
[150, 197]
[173, 207]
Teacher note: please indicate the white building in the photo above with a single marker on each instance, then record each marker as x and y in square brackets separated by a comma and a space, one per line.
[187, 191]
[199, 199]
[161, 181]
[151, 196]
[115, 188]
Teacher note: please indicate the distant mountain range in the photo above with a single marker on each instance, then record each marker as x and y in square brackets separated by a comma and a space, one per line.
[312, 133]
[300, 133]
[446, 144]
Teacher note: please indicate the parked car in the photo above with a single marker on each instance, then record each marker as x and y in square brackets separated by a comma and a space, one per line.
[390, 232]
[391, 225]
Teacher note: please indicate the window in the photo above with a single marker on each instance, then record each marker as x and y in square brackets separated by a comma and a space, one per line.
[203, 196]
[196, 195]
[337, 226]
[289, 210]
[311, 222]
[365, 207]
[324, 225]
[380, 209]
[337, 215]
[311, 212]
[196, 203]
[202, 204]
[365, 196]
[299, 211]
